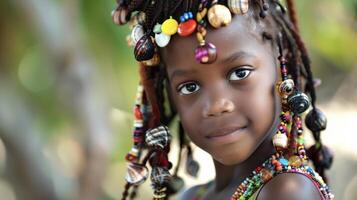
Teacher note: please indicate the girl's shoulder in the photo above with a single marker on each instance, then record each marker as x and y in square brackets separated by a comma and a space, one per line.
[292, 186]
[194, 192]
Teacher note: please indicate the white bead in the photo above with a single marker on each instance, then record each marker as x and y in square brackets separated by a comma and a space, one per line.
[162, 39]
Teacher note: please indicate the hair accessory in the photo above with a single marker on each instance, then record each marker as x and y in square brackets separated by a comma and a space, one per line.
[187, 25]
[136, 174]
[158, 137]
[299, 102]
[239, 7]
[144, 48]
[219, 15]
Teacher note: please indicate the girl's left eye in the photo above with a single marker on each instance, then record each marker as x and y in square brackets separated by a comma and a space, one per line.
[239, 74]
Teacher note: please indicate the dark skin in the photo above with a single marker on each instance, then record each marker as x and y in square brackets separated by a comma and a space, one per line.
[230, 108]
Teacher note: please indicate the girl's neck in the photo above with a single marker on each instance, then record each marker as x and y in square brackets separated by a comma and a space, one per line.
[231, 176]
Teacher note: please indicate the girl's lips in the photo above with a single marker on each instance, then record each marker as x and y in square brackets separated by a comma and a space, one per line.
[225, 135]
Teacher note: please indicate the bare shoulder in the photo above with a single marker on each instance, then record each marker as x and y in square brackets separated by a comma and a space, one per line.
[189, 193]
[291, 186]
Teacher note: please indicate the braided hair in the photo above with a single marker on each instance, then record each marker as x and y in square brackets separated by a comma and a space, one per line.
[283, 31]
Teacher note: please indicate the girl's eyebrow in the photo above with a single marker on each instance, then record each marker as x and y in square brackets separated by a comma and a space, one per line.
[181, 72]
[235, 56]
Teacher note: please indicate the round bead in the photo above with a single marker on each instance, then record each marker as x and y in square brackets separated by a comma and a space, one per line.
[187, 28]
[206, 53]
[162, 39]
[219, 15]
[286, 87]
[238, 6]
[299, 102]
[137, 33]
[160, 176]
[316, 120]
[169, 27]
[144, 48]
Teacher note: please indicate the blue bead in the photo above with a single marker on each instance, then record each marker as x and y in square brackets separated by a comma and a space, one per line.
[186, 16]
[284, 162]
[190, 15]
[182, 19]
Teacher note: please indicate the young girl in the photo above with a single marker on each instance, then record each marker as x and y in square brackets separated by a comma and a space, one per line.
[238, 76]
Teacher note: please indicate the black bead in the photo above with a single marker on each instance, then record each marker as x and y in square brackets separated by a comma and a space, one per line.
[192, 166]
[144, 48]
[299, 102]
[175, 184]
[316, 120]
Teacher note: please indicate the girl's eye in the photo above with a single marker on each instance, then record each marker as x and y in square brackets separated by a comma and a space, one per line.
[239, 74]
[188, 88]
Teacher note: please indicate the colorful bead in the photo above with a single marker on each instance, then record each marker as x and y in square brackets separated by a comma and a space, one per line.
[238, 6]
[206, 53]
[286, 87]
[159, 176]
[157, 28]
[295, 161]
[169, 27]
[187, 28]
[219, 15]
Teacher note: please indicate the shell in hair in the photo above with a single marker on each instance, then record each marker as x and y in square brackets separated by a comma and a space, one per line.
[136, 174]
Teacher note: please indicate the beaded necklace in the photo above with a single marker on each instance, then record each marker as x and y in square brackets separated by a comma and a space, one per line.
[273, 166]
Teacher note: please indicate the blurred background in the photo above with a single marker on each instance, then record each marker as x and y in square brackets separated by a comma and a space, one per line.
[68, 83]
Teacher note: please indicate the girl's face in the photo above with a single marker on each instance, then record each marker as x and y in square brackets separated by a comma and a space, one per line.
[226, 107]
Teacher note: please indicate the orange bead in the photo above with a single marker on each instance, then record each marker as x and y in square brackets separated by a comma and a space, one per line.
[187, 28]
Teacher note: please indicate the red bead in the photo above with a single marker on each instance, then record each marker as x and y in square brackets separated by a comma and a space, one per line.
[137, 113]
[187, 27]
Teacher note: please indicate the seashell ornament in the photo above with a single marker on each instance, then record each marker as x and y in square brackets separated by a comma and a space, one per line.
[160, 176]
[206, 53]
[219, 15]
[299, 102]
[144, 48]
[137, 33]
[239, 7]
[158, 137]
[136, 174]
[280, 140]
[316, 120]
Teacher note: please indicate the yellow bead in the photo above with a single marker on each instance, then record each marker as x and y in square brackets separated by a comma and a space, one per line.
[169, 27]
[295, 161]
[200, 37]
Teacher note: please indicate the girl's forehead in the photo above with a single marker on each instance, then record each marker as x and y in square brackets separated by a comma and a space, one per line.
[241, 35]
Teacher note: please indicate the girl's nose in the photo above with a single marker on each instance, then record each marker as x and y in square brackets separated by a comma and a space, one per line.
[218, 107]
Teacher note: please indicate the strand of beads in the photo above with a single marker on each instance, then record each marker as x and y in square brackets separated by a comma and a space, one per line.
[275, 165]
[205, 53]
